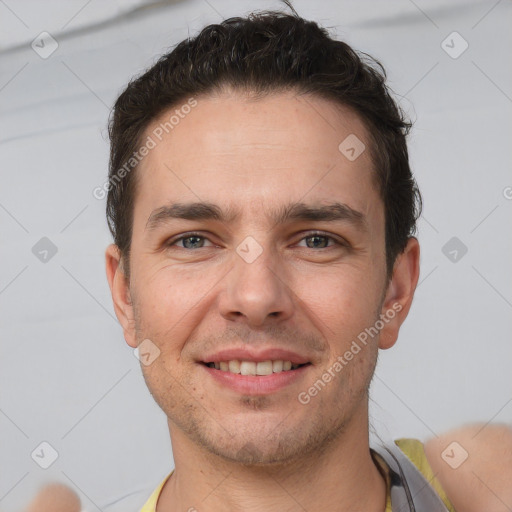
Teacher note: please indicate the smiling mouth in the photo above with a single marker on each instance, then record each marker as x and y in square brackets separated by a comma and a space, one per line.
[259, 368]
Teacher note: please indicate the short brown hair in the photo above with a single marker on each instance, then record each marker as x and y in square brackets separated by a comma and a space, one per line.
[268, 52]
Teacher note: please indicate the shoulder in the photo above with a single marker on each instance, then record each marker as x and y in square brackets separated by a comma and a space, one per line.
[473, 463]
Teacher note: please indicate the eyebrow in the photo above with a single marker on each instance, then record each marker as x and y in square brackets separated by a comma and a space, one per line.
[293, 212]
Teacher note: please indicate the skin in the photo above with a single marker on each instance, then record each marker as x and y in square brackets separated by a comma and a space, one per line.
[482, 481]
[55, 497]
[234, 452]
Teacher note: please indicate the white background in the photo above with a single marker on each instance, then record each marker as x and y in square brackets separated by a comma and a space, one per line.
[67, 376]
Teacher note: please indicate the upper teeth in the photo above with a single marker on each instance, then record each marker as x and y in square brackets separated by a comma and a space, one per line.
[253, 368]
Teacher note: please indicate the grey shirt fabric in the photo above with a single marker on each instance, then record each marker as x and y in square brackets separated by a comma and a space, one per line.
[410, 491]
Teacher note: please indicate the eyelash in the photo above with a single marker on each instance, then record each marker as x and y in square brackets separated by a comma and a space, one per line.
[309, 235]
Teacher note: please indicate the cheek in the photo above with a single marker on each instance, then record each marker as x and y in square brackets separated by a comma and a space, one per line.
[343, 303]
[341, 296]
[169, 303]
[166, 292]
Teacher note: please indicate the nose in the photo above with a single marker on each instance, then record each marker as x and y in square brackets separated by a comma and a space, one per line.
[256, 292]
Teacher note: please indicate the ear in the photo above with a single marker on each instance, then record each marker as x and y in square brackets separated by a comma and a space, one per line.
[120, 290]
[399, 293]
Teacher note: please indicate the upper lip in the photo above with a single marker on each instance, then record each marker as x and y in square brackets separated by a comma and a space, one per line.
[247, 354]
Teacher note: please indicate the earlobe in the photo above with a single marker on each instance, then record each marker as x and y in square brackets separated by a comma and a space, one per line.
[400, 292]
[120, 291]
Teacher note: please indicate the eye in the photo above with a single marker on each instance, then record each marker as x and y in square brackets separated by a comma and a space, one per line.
[189, 241]
[320, 241]
[316, 240]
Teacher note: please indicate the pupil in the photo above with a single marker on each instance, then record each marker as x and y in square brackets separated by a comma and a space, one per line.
[185, 241]
[317, 237]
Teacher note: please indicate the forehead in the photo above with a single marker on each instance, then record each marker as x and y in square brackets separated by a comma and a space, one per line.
[246, 153]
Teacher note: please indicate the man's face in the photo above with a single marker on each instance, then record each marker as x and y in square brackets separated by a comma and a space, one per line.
[256, 286]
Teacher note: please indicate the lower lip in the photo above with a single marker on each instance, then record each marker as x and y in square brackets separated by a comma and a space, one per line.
[256, 385]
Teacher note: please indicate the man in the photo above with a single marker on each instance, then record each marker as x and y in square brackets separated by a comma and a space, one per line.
[263, 213]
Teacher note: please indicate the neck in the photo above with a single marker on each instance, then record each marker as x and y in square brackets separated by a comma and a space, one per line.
[342, 477]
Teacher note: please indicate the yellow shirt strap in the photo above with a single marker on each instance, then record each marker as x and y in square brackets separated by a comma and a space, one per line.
[412, 448]
[150, 505]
